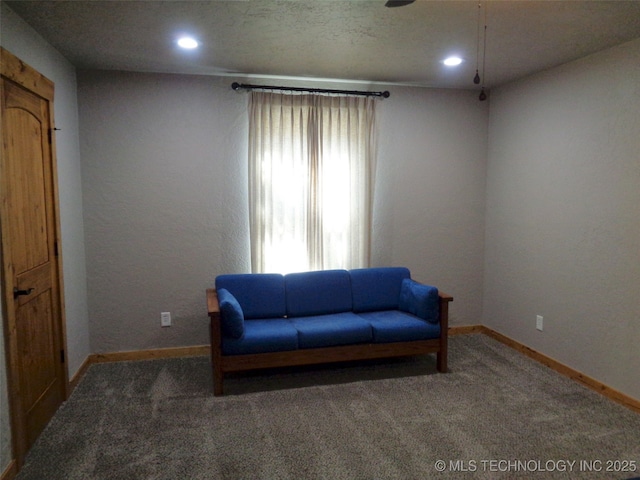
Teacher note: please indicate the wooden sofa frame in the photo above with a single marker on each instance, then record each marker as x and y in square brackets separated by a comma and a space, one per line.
[363, 351]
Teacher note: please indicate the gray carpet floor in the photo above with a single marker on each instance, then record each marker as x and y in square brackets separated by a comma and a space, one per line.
[497, 414]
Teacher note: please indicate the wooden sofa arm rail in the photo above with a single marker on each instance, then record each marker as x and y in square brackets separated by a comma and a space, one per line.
[445, 297]
[213, 306]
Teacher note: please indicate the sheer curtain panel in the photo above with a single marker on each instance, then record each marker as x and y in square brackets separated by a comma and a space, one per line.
[311, 164]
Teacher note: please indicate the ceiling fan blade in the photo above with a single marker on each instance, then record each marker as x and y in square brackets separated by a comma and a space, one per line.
[398, 3]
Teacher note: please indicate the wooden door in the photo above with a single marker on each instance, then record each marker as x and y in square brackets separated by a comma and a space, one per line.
[34, 326]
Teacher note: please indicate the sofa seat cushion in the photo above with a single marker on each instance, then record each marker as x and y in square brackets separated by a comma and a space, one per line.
[396, 326]
[377, 289]
[318, 293]
[261, 295]
[261, 336]
[330, 330]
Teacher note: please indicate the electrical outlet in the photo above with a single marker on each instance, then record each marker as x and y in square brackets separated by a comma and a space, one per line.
[539, 320]
[165, 319]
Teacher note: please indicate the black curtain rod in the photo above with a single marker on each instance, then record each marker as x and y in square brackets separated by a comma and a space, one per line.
[244, 86]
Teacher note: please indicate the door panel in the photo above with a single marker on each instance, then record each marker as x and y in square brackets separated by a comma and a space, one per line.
[31, 267]
[36, 343]
[25, 170]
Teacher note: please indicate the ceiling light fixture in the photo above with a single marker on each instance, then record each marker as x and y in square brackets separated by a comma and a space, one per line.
[188, 43]
[452, 61]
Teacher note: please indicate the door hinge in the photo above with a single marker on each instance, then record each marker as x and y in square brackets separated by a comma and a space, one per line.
[61, 356]
[55, 248]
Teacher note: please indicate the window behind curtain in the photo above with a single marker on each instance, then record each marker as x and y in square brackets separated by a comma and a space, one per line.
[311, 180]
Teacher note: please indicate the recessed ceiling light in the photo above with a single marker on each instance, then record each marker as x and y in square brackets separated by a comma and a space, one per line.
[452, 61]
[188, 43]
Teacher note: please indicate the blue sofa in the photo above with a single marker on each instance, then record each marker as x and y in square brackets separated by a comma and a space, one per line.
[272, 320]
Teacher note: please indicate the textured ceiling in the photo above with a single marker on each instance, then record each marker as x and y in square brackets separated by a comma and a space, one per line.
[332, 39]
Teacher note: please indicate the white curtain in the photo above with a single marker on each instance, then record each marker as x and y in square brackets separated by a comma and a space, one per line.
[311, 164]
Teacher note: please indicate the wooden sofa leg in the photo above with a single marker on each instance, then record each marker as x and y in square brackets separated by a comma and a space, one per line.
[218, 375]
[441, 362]
[443, 353]
[217, 383]
[215, 333]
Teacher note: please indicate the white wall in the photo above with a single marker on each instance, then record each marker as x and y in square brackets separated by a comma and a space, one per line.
[166, 209]
[165, 196]
[563, 215]
[430, 192]
[18, 38]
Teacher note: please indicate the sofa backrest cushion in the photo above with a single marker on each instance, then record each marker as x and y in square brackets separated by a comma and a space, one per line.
[261, 295]
[377, 288]
[420, 300]
[231, 315]
[318, 293]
